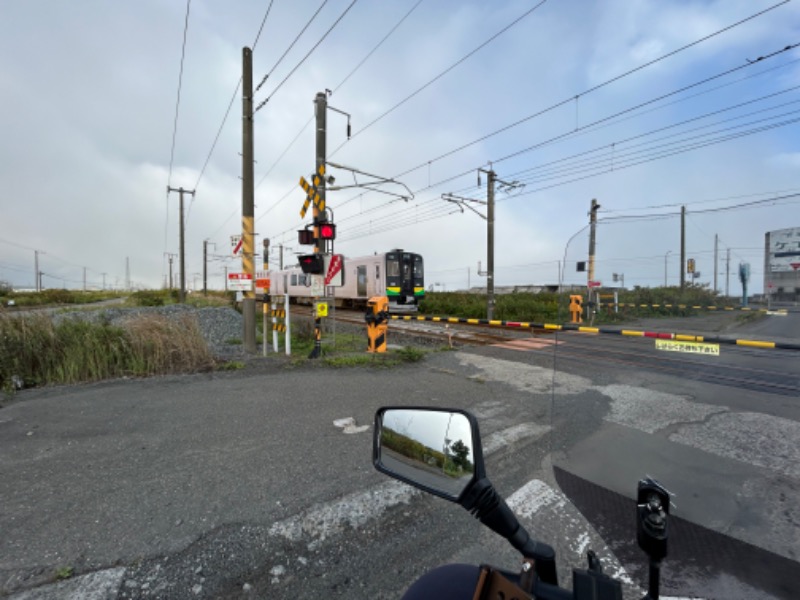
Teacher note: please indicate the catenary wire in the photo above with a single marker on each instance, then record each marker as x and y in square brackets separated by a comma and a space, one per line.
[440, 75]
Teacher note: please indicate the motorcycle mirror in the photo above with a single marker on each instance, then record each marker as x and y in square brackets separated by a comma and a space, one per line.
[436, 450]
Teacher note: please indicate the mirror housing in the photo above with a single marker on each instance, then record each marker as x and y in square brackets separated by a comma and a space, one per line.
[434, 449]
[406, 445]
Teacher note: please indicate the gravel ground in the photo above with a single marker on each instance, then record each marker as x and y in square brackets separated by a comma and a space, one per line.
[219, 326]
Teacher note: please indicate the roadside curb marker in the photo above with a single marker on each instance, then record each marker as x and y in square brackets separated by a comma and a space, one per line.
[603, 330]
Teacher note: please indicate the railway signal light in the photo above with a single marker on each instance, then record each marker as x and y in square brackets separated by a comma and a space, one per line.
[327, 231]
[312, 263]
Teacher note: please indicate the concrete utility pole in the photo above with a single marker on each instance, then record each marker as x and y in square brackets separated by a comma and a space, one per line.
[461, 202]
[128, 273]
[84, 279]
[490, 244]
[321, 114]
[182, 252]
[716, 267]
[36, 271]
[205, 267]
[592, 227]
[683, 248]
[248, 201]
[728, 274]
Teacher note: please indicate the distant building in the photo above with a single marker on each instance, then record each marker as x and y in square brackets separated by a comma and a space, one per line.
[782, 265]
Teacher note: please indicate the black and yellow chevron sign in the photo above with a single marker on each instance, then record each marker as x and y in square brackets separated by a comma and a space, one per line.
[311, 194]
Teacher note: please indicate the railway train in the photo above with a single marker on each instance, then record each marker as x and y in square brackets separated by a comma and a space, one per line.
[396, 274]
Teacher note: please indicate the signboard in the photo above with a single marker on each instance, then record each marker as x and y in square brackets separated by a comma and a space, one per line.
[784, 250]
[594, 284]
[334, 270]
[236, 245]
[262, 282]
[322, 309]
[690, 347]
[240, 282]
[317, 285]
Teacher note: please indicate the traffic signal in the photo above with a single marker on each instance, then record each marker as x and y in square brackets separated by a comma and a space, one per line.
[327, 231]
[312, 263]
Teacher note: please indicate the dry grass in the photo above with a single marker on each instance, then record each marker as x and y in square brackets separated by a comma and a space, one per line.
[34, 351]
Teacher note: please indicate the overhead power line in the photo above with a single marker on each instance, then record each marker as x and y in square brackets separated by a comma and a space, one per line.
[335, 89]
[440, 75]
[590, 90]
[299, 35]
[297, 66]
[230, 104]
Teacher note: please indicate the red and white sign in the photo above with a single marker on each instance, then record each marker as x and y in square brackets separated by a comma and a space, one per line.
[594, 284]
[795, 266]
[236, 244]
[240, 282]
[334, 271]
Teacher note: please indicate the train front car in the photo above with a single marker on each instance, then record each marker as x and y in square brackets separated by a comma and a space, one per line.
[405, 280]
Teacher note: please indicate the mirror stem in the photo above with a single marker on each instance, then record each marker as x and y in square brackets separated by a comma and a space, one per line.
[483, 501]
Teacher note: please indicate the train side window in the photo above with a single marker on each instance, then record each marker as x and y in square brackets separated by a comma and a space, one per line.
[294, 278]
[377, 271]
[285, 286]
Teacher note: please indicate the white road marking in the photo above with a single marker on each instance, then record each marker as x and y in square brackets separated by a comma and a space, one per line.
[92, 586]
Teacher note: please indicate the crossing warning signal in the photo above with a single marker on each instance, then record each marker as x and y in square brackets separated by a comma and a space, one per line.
[327, 231]
[312, 263]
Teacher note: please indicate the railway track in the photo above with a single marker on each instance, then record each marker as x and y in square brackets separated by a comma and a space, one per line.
[591, 349]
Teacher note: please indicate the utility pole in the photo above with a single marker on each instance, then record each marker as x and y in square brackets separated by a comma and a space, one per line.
[716, 267]
[683, 248]
[128, 273]
[490, 244]
[181, 192]
[84, 279]
[592, 228]
[321, 114]
[36, 271]
[104, 281]
[205, 267]
[248, 201]
[461, 202]
[169, 257]
[728, 274]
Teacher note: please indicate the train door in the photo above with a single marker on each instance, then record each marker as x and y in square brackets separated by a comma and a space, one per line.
[361, 281]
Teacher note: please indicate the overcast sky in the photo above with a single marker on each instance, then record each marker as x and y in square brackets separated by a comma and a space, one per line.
[89, 89]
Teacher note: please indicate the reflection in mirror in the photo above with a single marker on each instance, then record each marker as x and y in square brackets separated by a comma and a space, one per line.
[428, 447]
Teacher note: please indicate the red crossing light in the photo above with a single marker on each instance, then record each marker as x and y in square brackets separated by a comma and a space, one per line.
[327, 231]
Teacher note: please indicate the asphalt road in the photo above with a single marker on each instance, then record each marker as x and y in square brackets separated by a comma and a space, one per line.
[239, 485]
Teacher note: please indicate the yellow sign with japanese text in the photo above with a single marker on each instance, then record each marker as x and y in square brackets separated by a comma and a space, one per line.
[322, 309]
[690, 347]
